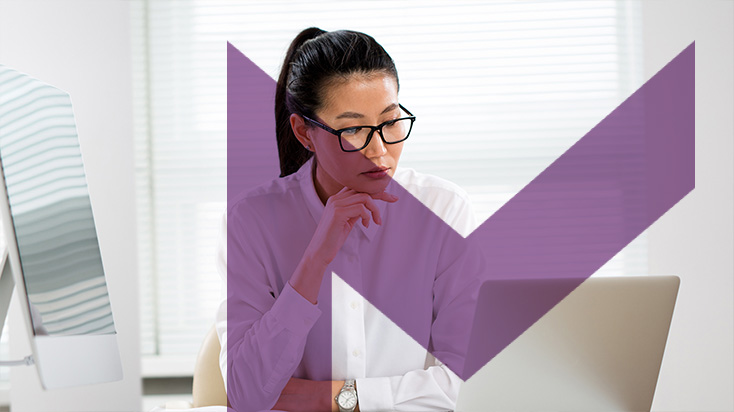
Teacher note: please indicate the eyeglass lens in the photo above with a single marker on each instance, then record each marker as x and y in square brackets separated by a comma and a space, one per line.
[393, 132]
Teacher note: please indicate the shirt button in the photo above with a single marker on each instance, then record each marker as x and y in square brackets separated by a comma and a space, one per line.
[354, 304]
[356, 353]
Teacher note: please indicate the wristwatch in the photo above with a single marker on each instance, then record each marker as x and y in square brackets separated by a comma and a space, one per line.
[347, 397]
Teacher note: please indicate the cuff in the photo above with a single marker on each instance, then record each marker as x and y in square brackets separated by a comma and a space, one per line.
[295, 312]
[374, 394]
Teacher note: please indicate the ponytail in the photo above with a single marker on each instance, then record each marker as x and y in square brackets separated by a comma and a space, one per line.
[291, 153]
[313, 59]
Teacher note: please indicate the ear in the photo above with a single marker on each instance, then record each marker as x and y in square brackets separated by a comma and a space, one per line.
[298, 125]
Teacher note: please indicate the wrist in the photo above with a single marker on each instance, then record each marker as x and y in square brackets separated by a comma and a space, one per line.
[316, 258]
[336, 387]
[346, 399]
[307, 278]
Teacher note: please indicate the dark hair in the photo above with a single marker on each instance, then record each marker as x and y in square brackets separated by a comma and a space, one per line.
[314, 59]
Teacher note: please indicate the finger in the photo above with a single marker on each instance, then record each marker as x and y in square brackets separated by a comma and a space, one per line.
[347, 191]
[343, 193]
[372, 207]
[352, 221]
[358, 210]
[387, 197]
[366, 200]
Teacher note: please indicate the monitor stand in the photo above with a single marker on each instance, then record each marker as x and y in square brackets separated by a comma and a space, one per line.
[7, 286]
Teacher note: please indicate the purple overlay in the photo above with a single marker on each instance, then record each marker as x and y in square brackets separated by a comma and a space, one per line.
[583, 209]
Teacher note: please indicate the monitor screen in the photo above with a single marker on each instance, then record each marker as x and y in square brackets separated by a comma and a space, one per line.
[51, 239]
[51, 212]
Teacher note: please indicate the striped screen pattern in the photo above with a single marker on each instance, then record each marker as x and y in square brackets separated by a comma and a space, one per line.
[50, 209]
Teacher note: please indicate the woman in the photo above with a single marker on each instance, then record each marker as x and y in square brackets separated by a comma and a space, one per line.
[297, 336]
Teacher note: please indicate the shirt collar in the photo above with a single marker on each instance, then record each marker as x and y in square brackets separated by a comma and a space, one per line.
[316, 208]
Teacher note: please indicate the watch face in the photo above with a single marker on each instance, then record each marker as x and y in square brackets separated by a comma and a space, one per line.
[347, 400]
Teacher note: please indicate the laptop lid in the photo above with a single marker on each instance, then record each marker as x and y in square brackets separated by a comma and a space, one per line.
[599, 349]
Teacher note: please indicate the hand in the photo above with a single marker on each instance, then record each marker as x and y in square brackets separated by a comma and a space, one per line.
[343, 210]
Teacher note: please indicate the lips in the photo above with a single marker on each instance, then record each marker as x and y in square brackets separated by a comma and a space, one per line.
[377, 169]
[378, 172]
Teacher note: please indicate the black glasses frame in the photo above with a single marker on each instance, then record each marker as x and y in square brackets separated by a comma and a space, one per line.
[374, 129]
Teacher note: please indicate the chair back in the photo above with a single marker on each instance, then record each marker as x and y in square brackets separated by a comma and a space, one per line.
[208, 387]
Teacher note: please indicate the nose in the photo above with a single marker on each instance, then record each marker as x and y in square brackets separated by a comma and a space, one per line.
[376, 147]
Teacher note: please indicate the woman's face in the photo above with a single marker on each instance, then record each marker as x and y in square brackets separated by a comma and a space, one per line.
[359, 100]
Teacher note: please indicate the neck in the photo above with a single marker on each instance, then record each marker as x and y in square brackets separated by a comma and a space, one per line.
[320, 183]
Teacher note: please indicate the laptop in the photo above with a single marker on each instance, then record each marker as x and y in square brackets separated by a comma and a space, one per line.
[599, 349]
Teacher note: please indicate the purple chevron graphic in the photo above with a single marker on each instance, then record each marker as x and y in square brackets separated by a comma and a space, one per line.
[603, 192]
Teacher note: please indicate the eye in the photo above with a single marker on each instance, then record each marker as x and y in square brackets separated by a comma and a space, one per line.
[351, 131]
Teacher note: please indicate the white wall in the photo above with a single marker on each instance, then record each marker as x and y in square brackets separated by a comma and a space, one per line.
[83, 47]
[695, 240]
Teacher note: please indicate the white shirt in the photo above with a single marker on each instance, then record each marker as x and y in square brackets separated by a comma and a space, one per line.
[392, 371]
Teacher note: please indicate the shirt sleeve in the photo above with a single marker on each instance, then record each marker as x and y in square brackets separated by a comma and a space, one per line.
[456, 286]
[433, 389]
[262, 337]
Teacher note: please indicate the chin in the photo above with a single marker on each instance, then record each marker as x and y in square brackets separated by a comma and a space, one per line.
[375, 186]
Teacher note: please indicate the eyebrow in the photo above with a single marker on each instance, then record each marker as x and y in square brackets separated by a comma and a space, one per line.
[353, 115]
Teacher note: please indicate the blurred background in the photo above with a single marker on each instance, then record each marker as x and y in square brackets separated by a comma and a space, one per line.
[500, 90]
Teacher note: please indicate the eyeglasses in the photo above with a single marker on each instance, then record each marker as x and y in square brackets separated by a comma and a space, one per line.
[358, 137]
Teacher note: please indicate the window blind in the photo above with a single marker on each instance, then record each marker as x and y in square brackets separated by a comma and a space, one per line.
[500, 90]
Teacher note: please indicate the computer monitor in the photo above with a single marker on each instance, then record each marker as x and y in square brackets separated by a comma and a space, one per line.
[50, 237]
